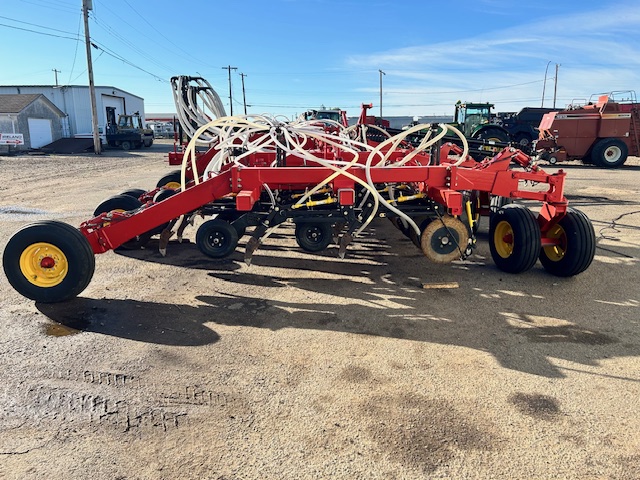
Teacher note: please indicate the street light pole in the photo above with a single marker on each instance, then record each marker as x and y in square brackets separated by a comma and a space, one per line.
[381, 74]
[544, 85]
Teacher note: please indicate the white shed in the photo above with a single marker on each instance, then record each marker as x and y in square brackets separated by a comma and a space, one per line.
[31, 115]
[75, 102]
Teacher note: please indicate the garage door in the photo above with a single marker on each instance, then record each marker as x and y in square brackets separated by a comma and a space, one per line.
[40, 132]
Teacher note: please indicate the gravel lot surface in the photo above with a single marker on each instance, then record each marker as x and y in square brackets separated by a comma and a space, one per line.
[306, 366]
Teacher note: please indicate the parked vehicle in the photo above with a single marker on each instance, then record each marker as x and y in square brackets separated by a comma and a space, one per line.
[603, 132]
[522, 126]
[128, 133]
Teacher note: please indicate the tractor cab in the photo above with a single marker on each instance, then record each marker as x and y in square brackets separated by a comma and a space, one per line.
[469, 116]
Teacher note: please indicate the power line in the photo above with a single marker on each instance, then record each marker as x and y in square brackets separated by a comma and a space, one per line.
[35, 31]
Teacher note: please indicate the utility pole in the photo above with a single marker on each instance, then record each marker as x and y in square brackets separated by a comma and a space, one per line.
[555, 86]
[544, 85]
[229, 68]
[381, 74]
[56, 72]
[244, 97]
[97, 148]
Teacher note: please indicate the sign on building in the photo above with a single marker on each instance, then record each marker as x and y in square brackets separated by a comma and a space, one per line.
[11, 139]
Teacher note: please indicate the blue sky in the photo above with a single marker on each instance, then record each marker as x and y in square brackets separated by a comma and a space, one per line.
[299, 54]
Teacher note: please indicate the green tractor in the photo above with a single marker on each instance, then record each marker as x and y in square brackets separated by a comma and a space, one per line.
[474, 120]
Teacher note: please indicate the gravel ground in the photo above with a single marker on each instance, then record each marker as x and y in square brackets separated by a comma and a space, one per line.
[307, 366]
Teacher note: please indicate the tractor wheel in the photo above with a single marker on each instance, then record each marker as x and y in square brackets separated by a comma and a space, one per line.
[444, 239]
[148, 143]
[514, 238]
[314, 237]
[171, 180]
[609, 153]
[216, 238]
[494, 135]
[124, 203]
[48, 262]
[126, 145]
[134, 192]
[576, 245]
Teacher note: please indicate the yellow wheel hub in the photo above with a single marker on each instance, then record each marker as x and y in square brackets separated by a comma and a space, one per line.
[503, 239]
[173, 185]
[556, 252]
[44, 264]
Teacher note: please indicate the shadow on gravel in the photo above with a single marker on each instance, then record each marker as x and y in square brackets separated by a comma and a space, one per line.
[166, 324]
[524, 321]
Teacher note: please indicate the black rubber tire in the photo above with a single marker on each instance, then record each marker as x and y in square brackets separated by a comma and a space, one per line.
[523, 140]
[134, 192]
[496, 202]
[494, 134]
[148, 143]
[577, 245]
[514, 238]
[126, 145]
[158, 197]
[422, 223]
[164, 194]
[609, 153]
[232, 217]
[314, 236]
[216, 238]
[171, 177]
[124, 203]
[80, 260]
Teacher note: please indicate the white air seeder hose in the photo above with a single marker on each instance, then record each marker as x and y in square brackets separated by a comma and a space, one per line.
[261, 133]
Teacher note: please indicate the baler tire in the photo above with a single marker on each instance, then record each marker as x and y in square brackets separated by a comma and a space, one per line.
[576, 248]
[609, 153]
[216, 238]
[69, 250]
[514, 238]
[171, 180]
[314, 236]
[125, 145]
[124, 203]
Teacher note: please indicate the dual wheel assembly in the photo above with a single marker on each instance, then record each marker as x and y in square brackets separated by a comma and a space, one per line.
[516, 242]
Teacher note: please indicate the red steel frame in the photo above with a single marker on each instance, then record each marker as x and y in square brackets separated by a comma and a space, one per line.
[442, 183]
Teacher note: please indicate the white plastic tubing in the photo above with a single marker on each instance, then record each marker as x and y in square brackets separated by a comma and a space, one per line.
[259, 133]
[201, 105]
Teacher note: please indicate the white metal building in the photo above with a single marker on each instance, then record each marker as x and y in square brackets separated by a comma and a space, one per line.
[75, 102]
